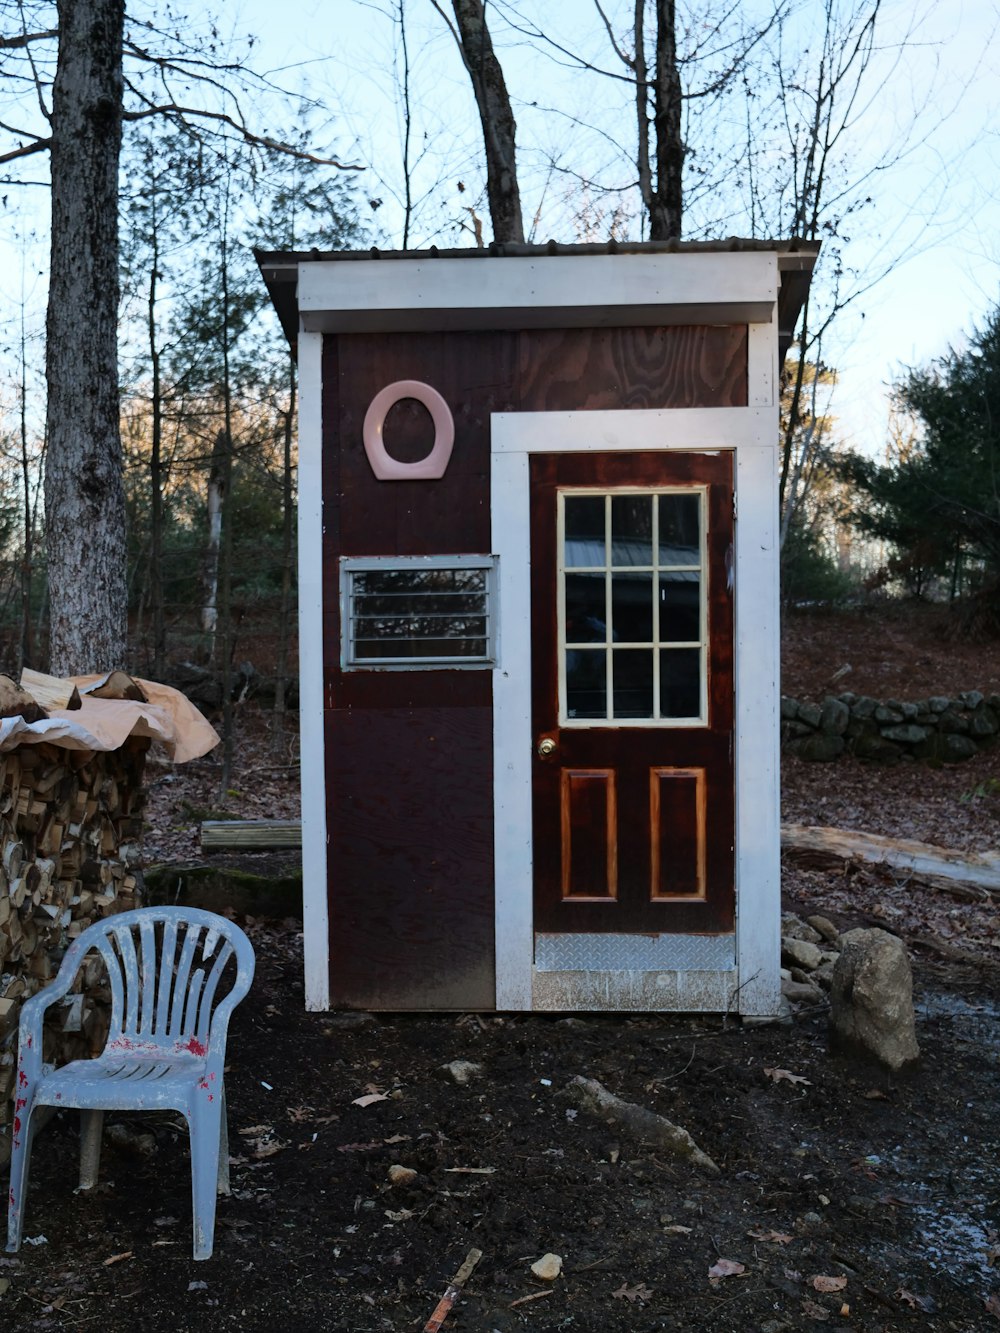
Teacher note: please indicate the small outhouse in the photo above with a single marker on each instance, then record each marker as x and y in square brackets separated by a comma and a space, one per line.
[538, 565]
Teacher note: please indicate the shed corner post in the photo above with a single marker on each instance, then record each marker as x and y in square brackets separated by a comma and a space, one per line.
[315, 899]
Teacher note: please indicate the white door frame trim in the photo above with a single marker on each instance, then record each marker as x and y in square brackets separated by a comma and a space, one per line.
[752, 433]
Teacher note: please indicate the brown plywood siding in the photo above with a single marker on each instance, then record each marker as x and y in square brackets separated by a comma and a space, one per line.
[575, 370]
[409, 753]
[411, 858]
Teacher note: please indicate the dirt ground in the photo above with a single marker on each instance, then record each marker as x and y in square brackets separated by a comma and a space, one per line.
[846, 1199]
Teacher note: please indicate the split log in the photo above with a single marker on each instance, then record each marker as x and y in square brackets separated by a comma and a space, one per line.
[15, 702]
[50, 691]
[116, 685]
[645, 1125]
[968, 875]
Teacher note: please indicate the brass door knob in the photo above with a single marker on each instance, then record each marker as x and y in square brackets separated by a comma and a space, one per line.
[546, 747]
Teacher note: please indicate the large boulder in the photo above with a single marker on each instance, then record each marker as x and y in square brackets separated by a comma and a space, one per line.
[871, 999]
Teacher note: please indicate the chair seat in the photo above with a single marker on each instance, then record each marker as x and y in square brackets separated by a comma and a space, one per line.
[131, 1083]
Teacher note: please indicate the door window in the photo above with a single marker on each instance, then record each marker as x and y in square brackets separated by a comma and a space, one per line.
[631, 607]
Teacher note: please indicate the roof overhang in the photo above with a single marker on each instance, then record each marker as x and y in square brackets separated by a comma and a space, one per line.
[537, 287]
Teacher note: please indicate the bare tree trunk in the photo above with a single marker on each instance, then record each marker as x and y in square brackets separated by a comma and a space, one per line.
[666, 205]
[287, 569]
[496, 117]
[210, 568]
[27, 653]
[84, 490]
[226, 570]
[407, 128]
[156, 463]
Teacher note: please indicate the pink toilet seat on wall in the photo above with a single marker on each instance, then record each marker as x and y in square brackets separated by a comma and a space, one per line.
[430, 468]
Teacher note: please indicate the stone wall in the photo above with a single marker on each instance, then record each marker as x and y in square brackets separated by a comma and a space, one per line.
[942, 729]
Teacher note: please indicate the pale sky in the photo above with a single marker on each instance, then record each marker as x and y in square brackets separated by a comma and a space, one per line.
[939, 209]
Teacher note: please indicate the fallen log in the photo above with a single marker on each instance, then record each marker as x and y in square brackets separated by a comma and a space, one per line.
[966, 874]
[250, 833]
[645, 1125]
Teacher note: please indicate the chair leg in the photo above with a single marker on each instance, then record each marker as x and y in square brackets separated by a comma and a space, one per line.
[91, 1125]
[222, 1180]
[20, 1161]
[204, 1125]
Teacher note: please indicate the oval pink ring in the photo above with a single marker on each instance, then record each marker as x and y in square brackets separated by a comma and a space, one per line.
[387, 468]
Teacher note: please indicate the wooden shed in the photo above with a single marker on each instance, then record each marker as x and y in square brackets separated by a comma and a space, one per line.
[538, 567]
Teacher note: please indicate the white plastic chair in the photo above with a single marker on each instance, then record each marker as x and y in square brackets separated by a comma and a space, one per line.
[165, 1048]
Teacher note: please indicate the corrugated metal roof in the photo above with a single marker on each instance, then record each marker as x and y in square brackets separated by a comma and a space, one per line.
[796, 259]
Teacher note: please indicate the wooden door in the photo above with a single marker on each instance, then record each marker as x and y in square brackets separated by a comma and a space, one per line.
[632, 692]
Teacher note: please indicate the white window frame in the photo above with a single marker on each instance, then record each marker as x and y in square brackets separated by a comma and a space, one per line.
[701, 645]
[350, 565]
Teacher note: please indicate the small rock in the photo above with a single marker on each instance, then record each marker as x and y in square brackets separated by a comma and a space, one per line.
[810, 713]
[822, 925]
[548, 1267]
[972, 698]
[819, 749]
[801, 953]
[823, 976]
[939, 703]
[463, 1071]
[953, 748]
[983, 722]
[794, 928]
[876, 749]
[872, 998]
[834, 717]
[401, 1175]
[799, 992]
[952, 723]
[907, 733]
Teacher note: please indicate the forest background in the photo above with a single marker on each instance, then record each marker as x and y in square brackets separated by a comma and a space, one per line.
[862, 123]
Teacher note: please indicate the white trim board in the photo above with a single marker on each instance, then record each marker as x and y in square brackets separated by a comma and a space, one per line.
[538, 291]
[315, 900]
[752, 433]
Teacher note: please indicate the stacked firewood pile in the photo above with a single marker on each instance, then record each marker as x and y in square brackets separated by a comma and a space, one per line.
[70, 827]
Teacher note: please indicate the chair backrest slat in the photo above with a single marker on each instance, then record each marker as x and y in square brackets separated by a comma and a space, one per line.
[193, 996]
[130, 976]
[112, 966]
[147, 935]
[211, 986]
[168, 949]
[182, 980]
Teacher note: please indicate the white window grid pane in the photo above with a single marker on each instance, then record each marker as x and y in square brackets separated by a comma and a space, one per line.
[609, 568]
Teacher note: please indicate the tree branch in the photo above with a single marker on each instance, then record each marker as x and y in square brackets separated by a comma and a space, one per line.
[255, 140]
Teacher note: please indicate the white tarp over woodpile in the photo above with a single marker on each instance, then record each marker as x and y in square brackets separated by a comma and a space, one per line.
[105, 724]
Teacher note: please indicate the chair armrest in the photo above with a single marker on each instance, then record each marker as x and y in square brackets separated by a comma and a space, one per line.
[33, 1011]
